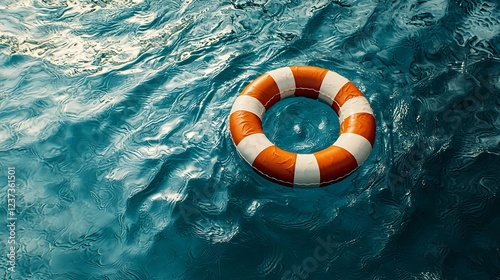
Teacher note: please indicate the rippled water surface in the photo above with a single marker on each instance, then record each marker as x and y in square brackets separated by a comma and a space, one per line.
[114, 115]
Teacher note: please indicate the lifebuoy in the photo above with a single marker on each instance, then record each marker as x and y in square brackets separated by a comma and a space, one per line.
[350, 150]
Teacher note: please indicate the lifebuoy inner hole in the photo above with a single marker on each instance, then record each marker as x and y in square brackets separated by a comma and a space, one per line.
[301, 125]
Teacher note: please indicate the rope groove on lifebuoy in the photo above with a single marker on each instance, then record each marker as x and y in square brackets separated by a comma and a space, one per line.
[344, 156]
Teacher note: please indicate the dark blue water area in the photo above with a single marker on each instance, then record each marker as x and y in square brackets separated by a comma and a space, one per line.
[114, 115]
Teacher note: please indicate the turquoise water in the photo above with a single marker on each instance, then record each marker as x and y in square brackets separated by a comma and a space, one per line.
[114, 116]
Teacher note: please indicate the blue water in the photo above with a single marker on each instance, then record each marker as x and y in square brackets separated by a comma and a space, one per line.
[114, 115]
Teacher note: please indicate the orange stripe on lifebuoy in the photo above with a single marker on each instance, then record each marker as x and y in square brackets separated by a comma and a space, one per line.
[348, 91]
[308, 80]
[335, 163]
[276, 163]
[265, 89]
[243, 124]
[362, 124]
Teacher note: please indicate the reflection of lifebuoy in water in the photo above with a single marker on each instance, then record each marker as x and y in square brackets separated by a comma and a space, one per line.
[350, 150]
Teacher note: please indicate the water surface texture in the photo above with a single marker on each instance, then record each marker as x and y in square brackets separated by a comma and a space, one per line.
[115, 117]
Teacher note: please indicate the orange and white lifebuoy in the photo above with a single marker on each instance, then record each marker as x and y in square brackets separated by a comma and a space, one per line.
[350, 150]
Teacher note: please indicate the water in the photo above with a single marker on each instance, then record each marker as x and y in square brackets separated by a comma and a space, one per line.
[114, 115]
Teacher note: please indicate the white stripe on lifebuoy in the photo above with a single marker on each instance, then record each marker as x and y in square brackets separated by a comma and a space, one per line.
[249, 104]
[355, 144]
[331, 85]
[307, 170]
[354, 106]
[251, 146]
[285, 81]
